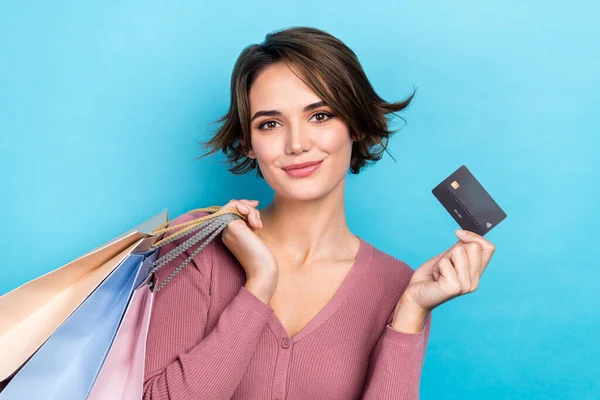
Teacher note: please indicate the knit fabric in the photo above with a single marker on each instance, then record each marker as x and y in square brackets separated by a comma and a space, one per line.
[210, 338]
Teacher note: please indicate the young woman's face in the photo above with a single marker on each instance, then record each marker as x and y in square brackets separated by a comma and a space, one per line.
[290, 134]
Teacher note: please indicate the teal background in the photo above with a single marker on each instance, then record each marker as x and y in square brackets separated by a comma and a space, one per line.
[101, 104]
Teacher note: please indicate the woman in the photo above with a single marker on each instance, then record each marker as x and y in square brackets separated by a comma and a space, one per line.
[290, 304]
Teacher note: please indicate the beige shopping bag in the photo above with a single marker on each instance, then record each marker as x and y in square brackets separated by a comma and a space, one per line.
[30, 313]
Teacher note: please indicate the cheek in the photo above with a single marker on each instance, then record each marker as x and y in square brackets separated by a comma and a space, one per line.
[265, 151]
[336, 140]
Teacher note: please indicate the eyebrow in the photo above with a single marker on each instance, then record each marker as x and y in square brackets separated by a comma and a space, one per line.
[272, 113]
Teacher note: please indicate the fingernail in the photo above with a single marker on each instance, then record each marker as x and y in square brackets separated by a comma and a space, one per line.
[460, 232]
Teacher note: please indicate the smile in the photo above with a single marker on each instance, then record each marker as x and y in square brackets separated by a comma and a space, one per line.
[303, 172]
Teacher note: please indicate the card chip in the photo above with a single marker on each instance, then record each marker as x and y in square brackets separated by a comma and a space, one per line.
[455, 185]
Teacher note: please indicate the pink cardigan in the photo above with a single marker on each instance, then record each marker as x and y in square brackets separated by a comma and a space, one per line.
[210, 338]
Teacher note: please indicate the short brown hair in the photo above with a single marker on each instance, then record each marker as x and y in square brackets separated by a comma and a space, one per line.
[332, 71]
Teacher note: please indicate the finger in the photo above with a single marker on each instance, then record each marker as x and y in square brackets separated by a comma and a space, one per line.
[446, 253]
[243, 208]
[475, 267]
[436, 272]
[460, 262]
[448, 279]
[487, 247]
[252, 203]
[238, 205]
[433, 261]
[255, 216]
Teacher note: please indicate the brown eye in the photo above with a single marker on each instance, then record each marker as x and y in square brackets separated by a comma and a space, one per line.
[322, 114]
[270, 125]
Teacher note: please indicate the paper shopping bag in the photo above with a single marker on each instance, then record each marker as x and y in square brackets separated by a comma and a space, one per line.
[122, 374]
[67, 364]
[33, 311]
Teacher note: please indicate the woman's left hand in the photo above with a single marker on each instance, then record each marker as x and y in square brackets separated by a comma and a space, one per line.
[450, 274]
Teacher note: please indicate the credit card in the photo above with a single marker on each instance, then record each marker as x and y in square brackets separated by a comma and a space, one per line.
[468, 202]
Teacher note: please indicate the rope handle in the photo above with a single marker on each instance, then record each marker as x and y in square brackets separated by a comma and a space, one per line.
[190, 225]
[209, 228]
[215, 222]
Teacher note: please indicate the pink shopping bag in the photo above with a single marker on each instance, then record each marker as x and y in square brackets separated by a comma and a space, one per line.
[122, 375]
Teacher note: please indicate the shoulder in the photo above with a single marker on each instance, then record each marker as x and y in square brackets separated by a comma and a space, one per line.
[186, 217]
[391, 269]
[208, 252]
[386, 280]
[202, 260]
[183, 221]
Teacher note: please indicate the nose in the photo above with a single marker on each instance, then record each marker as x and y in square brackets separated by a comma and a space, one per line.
[298, 139]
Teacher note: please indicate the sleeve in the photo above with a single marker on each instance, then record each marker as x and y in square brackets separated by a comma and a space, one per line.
[181, 361]
[396, 364]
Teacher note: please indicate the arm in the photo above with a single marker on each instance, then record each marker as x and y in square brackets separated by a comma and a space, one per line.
[182, 363]
[396, 363]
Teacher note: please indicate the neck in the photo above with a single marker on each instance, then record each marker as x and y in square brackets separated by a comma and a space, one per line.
[306, 231]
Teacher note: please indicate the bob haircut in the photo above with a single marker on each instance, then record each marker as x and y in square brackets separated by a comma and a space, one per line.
[332, 71]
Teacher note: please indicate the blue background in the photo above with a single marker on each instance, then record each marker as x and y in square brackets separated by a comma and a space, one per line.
[101, 104]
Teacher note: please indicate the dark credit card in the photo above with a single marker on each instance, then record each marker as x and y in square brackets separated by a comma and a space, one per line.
[468, 202]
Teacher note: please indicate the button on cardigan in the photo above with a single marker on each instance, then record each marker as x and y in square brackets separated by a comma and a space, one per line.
[210, 338]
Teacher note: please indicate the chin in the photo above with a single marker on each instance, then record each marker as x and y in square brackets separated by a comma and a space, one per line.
[305, 191]
[306, 195]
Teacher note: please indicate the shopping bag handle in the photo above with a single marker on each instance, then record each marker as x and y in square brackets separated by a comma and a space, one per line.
[211, 225]
[190, 225]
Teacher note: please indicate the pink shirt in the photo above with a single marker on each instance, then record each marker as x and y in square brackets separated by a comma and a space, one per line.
[210, 338]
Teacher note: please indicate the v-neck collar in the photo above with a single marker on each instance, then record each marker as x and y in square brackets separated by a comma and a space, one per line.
[361, 262]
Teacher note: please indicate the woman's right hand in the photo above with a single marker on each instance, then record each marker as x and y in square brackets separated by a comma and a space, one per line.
[253, 254]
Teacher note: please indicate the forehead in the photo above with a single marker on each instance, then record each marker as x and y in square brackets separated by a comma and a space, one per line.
[277, 88]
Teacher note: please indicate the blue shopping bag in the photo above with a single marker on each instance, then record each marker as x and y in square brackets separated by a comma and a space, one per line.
[67, 364]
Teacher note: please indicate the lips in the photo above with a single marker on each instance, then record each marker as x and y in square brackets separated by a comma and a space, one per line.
[305, 169]
[302, 165]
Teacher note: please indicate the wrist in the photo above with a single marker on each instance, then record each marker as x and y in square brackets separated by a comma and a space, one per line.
[408, 318]
[263, 288]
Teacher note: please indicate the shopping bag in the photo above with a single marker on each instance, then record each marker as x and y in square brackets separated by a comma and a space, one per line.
[54, 374]
[33, 311]
[67, 364]
[122, 374]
